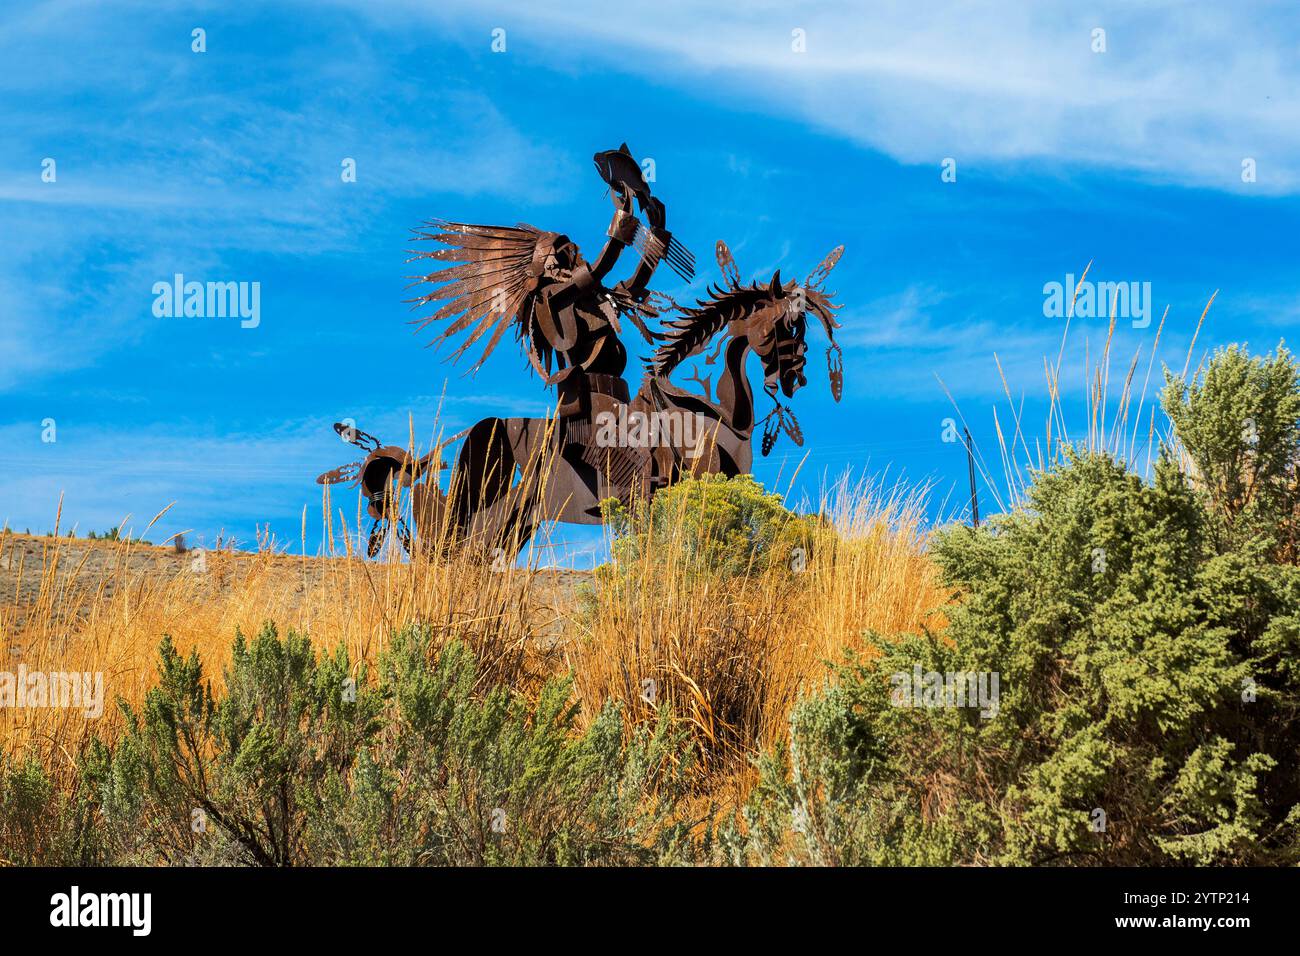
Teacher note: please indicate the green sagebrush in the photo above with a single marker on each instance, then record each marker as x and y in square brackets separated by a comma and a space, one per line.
[1147, 640]
[303, 760]
[715, 525]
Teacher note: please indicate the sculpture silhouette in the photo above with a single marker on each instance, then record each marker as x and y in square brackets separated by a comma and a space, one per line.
[512, 473]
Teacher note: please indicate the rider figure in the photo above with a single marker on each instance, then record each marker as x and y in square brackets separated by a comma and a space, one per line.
[579, 316]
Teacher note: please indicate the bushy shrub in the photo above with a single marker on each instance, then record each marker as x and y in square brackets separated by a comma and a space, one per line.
[301, 759]
[199, 777]
[461, 779]
[40, 824]
[1145, 638]
[713, 524]
[694, 612]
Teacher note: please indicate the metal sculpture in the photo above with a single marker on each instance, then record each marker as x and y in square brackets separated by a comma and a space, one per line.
[512, 473]
[771, 321]
[380, 475]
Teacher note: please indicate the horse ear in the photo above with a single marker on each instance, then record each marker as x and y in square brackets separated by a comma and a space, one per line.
[775, 288]
[355, 436]
[727, 264]
[818, 275]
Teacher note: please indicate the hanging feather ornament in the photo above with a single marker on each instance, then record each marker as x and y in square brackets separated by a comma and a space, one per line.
[770, 433]
[835, 368]
[791, 426]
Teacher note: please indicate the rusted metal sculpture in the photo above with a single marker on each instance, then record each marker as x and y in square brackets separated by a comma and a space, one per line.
[381, 475]
[512, 473]
[768, 319]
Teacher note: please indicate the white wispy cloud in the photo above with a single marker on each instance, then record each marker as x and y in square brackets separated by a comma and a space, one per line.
[1183, 92]
[179, 178]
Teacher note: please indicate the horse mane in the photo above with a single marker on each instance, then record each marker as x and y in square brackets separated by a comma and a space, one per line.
[685, 336]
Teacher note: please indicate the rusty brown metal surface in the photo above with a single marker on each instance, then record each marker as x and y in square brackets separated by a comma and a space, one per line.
[380, 476]
[511, 473]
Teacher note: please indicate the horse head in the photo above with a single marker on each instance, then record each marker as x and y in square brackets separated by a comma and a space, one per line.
[776, 323]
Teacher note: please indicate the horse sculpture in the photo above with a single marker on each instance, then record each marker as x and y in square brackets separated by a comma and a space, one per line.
[769, 320]
[601, 442]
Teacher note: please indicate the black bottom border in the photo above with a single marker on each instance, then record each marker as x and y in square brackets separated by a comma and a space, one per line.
[335, 905]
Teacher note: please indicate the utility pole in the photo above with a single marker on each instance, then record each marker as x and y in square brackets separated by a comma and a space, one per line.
[970, 464]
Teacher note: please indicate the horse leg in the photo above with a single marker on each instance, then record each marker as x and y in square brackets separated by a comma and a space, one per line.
[490, 507]
[481, 478]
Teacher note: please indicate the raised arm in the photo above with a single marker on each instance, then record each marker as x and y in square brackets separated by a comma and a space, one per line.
[621, 233]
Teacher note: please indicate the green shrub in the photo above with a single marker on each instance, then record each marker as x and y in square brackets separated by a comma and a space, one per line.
[721, 525]
[462, 779]
[233, 779]
[39, 824]
[299, 762]
[1145, 636]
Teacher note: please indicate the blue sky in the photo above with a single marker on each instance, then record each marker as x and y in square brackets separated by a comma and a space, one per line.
[225, 166]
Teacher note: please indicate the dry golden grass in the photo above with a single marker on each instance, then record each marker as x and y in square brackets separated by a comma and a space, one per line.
[1112, 425]
[729, 657]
